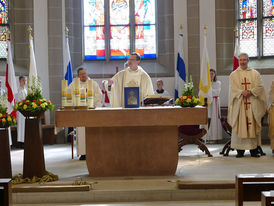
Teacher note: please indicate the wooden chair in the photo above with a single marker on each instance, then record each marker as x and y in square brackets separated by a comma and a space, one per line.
[191, 134]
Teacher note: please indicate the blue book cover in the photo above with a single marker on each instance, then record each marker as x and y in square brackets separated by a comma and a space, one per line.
[131, 97]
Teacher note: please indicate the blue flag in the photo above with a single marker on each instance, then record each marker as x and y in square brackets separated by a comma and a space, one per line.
[180, 73]
[67, 64]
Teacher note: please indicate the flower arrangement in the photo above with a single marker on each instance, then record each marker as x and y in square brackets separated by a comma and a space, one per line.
[34, 103]
[188, 99]
[6, 119]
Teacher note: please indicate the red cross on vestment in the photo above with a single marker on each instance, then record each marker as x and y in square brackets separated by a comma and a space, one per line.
[245, 83]
[247, 123]
[246, 104]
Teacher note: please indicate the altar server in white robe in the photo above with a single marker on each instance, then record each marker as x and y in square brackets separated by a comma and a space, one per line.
[132, 73]
[214, 110]
[21, 95]
[97, 94]
[247, 106]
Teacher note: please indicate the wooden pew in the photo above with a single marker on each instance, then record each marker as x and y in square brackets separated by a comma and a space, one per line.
[250, 186]
[267, 198]
[5, 192]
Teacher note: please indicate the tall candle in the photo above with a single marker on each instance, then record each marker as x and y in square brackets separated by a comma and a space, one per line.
[64, 92]
[90, 99]
[69, 101]
[77, 91]
[83, 100]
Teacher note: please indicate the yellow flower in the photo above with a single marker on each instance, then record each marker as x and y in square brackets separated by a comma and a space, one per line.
[9, 119]
[196, 100]
[184, 97]
[27, 101]
[34, 105]
[25, 106]
[44, 99]
[3, 120]
[14, 120]
[0, 115]
[188, 100]
[20, 103]
[43, 105]
[15, 107]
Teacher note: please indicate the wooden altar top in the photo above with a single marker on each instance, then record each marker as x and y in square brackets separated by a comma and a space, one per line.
[120, 117]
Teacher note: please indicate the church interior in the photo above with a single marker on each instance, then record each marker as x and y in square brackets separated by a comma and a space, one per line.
[200, 177]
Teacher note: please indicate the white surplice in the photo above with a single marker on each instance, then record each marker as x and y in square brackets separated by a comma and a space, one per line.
[214, 113]
[21, 95]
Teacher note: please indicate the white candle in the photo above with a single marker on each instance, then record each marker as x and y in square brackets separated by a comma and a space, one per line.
[83, 101]
[90, 99]
[64, 92]
[77, 91]
[69, 101]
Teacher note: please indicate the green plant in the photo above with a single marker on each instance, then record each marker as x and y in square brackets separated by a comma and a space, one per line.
[6, 119]
[188, 98]
[34, 101]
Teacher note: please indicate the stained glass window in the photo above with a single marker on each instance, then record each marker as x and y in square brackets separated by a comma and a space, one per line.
[268, 27]
[248, 9]
[256, 20]
[111, 33]
[3, 28]
[145, 35]
[248, 37]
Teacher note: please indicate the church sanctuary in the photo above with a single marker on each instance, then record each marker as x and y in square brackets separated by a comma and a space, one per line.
[136, 102]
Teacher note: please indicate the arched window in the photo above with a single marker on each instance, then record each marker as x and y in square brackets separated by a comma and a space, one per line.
[3, 28]
[256, 27]
[115, 29]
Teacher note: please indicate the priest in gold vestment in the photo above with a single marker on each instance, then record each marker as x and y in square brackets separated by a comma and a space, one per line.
[271, 116]
[132, 73]
[247, 106]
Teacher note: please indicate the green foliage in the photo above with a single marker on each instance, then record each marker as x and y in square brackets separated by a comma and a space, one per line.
[188, 98]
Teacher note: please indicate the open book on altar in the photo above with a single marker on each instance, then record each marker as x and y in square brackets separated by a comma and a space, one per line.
[157, 99]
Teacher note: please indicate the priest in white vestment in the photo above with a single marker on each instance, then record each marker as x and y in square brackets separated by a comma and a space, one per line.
[132, 73]
[97, 96]
[271, 116]
[247, 106]
[214, 110]
[21, 95]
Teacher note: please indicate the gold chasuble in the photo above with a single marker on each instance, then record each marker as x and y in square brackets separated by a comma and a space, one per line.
[271, 116]
[123, 78]
[245, 114]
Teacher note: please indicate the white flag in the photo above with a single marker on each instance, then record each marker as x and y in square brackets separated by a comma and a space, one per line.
[205, 89]
[32, 65]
